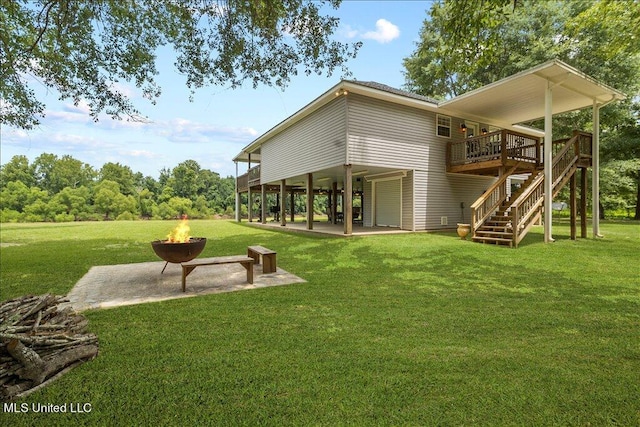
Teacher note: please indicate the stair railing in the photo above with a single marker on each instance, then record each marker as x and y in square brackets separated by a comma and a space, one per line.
[491, 199]
[526, 208]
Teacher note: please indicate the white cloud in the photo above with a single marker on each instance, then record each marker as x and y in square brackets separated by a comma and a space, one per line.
[384, 33]
[70, 113]
[184, 130]
[348, 32]
[144, 154]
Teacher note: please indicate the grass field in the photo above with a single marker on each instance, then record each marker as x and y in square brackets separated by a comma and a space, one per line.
[414, 329]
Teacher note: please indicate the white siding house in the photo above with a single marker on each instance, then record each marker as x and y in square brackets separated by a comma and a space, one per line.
[396, 150]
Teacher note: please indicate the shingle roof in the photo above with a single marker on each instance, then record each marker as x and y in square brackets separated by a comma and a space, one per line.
[385, 88]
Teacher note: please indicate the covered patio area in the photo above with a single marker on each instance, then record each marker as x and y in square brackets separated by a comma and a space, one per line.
[327, 228]
[345, 200]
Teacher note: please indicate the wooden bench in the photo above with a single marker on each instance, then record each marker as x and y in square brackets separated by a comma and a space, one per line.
[268, 258]
[188, 267]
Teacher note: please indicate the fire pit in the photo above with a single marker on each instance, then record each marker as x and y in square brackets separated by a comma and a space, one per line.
[179, 246]
[179, 252]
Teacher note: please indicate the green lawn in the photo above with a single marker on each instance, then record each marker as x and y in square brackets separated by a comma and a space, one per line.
[416, 329]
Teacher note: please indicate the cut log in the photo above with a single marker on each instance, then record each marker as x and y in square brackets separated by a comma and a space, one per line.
[40, 342]
[33, 365]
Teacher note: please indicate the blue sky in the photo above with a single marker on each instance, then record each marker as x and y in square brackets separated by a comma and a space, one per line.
[220, 121]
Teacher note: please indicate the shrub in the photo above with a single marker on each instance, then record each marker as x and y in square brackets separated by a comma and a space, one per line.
[9, 215]
[63, 217]
[88, 216]
[126, 216]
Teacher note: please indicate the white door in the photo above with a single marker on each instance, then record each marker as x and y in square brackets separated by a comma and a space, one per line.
[388, 203]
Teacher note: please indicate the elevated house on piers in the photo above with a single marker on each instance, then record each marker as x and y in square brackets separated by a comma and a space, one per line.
[419, 164]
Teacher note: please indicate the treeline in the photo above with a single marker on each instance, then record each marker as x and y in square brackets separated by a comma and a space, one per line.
[63, 189]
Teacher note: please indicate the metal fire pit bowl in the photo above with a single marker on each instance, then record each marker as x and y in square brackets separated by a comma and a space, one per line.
[178, 252]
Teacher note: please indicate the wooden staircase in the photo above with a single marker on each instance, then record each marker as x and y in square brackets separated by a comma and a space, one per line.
[505, 220]
[498, 228]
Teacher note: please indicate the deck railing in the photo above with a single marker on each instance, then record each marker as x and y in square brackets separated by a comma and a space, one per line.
[242, 183]
[488, 203]
[249, 179]
[503, 144]
[254, 176]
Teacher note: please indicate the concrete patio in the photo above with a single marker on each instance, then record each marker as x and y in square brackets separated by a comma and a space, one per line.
[108, 286]
[324, 227]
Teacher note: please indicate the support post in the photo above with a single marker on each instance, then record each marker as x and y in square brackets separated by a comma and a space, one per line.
[263, 204]
[583, 203]
[347, 206]
[283, 191]
[309, 201]
[548, 159]
[574, 205]
[237, 205]
[595, 170]
[238, 216]
[293, 206]
[334, 203]
[250, 204]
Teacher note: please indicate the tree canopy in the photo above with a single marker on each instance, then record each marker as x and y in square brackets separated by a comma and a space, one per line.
[84, 49]
[468, 44]
[56, 188]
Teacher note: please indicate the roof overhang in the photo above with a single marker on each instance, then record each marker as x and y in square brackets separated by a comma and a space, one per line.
[506, 103]
[521, 97]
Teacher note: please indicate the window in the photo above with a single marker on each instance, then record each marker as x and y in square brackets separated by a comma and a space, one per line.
[443, 126]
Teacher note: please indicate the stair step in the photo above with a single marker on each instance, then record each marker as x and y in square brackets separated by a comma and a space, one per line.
[493, 240]
[496, 240]
[492, 223]
[495, 226]
[493, 233]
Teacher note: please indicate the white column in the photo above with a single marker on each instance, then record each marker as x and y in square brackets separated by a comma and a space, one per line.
[309, 201]
[595, 170]
[347, 206]
[237, 196]
[548, 158]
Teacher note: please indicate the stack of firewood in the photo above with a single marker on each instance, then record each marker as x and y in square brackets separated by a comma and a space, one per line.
[39, 342]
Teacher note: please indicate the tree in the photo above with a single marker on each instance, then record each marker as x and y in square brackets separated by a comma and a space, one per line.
[468, 44]
[14, 196]
[17, 169]
[620, 180]
[37, 206]
[147, 204]
[106, 195]
[83, 48]
[74, 200]
[121, 174]
[53, 173]
[185, 179]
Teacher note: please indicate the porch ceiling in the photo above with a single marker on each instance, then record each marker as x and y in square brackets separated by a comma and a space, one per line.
[325, 178]
[521, 97]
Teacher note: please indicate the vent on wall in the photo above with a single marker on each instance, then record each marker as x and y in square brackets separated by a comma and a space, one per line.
[444, 220]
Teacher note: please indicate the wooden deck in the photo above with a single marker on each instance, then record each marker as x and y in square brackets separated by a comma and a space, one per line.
[492, 153]
[502, 219]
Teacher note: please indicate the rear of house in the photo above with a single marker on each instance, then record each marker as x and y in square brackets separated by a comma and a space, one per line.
[389, 145]
[390, 158]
